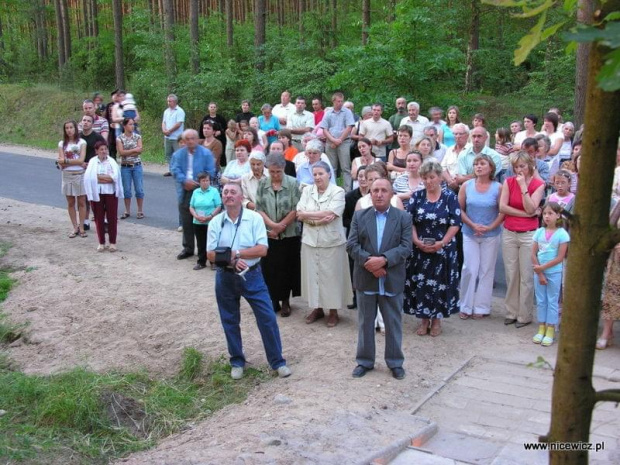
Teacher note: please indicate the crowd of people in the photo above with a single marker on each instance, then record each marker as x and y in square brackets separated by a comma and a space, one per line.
[310, 179]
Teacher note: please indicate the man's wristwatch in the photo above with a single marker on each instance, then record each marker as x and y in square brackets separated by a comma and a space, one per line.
[237, 255]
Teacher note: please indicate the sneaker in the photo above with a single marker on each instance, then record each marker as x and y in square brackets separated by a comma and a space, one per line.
[180, 229]
[538, 338]
[86, 226]
[546, 341]
[284, 371]
[236, 372]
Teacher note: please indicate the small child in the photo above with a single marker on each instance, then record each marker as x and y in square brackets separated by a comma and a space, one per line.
[503, 146]
[130, 111]
[549, 247]
[231, 138]
[562, 195]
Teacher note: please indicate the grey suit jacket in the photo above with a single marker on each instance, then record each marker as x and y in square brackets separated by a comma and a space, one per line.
[395, 246]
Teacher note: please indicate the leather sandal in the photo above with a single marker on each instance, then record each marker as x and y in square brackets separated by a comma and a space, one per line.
[435, 330]
[423, 328]
[316, 314]
[286, 309]
[333, 319]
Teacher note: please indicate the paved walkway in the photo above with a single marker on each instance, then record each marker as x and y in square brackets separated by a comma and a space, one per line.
[490, 408]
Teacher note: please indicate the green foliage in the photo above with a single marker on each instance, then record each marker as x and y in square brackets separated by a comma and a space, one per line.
[191, 365]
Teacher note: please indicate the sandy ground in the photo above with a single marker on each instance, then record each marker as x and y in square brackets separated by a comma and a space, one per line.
[139, 307]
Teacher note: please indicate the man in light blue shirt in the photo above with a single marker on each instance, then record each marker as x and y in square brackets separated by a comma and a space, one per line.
[379, 243]
[337, 125]
[477, 147]
[172, 126]
[243, 232]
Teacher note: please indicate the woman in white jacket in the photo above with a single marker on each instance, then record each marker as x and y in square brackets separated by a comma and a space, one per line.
[102, 182]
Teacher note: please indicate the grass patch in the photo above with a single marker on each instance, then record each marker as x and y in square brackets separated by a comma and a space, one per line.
[94, 418]
[87, 417]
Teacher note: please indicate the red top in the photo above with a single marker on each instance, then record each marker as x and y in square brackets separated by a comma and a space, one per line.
[515, 200]
[318, 116]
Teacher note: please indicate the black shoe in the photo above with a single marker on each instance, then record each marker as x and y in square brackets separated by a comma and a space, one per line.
[360, 371]
[184, 254]
[353, 305]
[521, 325]
[199, 266]
[86, 226]
[398, 372]
[510, 321]
[167, 174]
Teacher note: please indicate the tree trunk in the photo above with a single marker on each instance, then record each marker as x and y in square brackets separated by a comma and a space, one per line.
[117, 13]
[229, 23]
[392, 13]
[169, 40]
[591, 241]
[66, 28]
[302, 11]
[194, 36]
[62, 58]
[585, 11]
[94, 11]
[86, 18]
[365, 21]
[38, 11]
[280, 15]
[260, 19]
[472, 46]
[2, 48]
[334, 32]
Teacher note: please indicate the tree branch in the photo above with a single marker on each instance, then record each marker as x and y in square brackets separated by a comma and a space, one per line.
[608, 241]
[608, 395]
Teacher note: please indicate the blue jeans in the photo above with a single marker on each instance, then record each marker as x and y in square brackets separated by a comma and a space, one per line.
[229, 288]
[129, 174]
[547, 298]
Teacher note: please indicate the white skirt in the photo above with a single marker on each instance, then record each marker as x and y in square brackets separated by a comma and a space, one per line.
[325, 277]
[73, 183]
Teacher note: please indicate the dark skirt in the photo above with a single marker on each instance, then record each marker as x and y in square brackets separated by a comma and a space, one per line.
[282, 268]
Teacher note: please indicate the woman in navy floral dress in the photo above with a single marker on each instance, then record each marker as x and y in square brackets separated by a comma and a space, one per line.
[433, 275]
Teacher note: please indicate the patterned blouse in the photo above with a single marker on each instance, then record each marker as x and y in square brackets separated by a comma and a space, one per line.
[130, 143]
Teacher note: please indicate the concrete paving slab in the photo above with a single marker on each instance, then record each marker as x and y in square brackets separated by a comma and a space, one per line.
[417, 457]
[463, 447]
[489, 408]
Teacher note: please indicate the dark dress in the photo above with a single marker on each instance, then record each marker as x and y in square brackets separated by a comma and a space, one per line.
[432, 285]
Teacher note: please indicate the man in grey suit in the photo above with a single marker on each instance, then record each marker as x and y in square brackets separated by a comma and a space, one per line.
[380, 242]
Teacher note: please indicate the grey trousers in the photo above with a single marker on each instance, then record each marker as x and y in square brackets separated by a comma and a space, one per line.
[391, 309]
[340, 157]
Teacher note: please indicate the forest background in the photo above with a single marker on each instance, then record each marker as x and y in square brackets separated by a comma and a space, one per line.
[55, 53]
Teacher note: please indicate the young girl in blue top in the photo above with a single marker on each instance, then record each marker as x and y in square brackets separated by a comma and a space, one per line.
[548, 251]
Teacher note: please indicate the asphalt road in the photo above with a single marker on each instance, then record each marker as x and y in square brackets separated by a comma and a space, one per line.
[36, 180]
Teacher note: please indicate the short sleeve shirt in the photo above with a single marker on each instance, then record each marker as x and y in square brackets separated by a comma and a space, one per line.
[172, 117]
[250, 231]
[548, 248]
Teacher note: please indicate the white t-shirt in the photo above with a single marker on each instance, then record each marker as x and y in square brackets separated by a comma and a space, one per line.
[72, 152]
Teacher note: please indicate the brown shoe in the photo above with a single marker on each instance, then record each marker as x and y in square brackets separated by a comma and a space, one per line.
[286, 309]
[316, 314]
[332, 319]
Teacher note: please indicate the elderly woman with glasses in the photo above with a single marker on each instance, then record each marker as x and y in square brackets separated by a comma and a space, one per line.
[249, 181]
[277, 197]
[325, 278]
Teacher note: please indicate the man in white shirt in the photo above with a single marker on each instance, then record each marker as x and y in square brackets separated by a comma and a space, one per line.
[417, 122]
[378, 130]
[172, 126]
[300, 122]
[283, 109]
